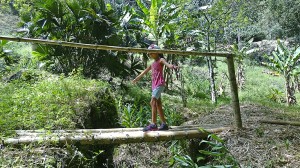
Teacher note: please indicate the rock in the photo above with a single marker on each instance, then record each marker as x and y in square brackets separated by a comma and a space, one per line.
[265, 47]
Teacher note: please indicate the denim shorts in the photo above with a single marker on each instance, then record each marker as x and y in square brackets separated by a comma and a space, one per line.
[156, 93]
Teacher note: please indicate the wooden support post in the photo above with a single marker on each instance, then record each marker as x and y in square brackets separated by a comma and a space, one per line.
[234, 93]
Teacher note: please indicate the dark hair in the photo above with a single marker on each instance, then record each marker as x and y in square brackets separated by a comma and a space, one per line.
[161, 56]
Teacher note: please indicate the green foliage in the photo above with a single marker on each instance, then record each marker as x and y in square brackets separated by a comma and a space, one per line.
[221, 157]
[158, 19]
[134, 115]
[138, 115]
[135, 111]
[186, 161]
[197, 84]
[284, 60]
[218, 154]
[286, 14]
[50, 102]
[241, 53]
[172, 114]
[276, 95]
[78, 21]
[7, 58]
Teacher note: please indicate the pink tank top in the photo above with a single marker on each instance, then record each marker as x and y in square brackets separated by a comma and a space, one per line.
[157, 74]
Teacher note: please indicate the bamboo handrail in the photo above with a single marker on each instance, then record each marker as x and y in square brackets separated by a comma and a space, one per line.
[113, 48]
[115, 137]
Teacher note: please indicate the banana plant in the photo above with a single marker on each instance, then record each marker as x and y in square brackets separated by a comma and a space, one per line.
[286, 61]
[158, 18]
[150, 21]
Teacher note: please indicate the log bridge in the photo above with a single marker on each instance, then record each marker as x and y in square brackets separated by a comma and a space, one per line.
[110, 136]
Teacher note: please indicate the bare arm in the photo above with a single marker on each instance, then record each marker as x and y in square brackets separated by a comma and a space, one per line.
[141, 74]
[163, 61]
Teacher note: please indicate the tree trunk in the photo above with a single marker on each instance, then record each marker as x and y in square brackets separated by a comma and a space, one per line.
[168, 73]
[241, 68]
[290, 97]
[182, 91]
[241, 75]
[212, 80]
[145, 60]
[297, 84]
[211, 72]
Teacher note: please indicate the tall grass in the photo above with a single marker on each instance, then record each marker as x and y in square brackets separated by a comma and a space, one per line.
[51, 102]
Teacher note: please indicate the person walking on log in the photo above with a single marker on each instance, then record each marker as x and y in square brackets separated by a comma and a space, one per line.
[158, 85]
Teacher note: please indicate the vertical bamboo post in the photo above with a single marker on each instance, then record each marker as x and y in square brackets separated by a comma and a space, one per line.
[234, 92]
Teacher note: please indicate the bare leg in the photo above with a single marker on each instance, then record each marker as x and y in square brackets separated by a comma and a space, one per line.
[153, 104]
[160, 111]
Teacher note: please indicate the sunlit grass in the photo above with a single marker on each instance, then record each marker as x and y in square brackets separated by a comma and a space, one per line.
[257, 89]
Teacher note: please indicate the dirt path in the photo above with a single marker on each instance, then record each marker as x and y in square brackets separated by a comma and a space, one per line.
[259, 145]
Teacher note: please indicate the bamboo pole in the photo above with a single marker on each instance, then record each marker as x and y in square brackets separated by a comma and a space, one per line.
[117, 137]
[234, 93]
[33, 133]
[19, 132]
[87, 132]
[111, 48]
[280, 122]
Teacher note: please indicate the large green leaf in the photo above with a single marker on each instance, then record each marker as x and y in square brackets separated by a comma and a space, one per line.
[3, 43]
[143, 7]
[153, 14]
[277, 61]
[296, 56]
[280, 47]
[74, 9]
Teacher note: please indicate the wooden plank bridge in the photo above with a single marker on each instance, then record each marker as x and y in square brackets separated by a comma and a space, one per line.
[110, 136]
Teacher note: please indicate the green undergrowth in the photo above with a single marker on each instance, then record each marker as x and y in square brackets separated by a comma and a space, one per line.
[260, 87]
[135, 110]
[8, 23]
[265, 89]
[39, 100]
